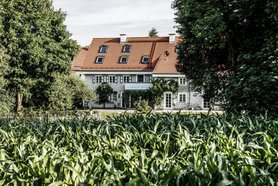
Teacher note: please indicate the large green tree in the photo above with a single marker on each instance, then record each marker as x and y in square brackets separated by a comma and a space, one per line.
[229, 50]
[6, 98]
[39, 47]
[104, 90]
[68, 92]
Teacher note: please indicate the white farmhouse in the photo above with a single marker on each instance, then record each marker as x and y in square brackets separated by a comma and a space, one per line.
[130, 64]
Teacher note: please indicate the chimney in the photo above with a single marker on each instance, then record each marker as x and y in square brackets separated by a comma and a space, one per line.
[172, 38]
[123, 38]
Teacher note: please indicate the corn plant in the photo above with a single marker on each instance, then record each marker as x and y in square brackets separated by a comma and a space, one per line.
[151, 149]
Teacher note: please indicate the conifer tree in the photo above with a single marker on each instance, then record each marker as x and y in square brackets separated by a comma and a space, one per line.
[153, 32]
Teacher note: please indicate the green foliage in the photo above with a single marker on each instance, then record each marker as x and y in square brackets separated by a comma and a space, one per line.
[104, 90]
[6, 97]
[153, 32]
[149, 149]
[67, 92]
[132, 93]
[39, 47]
[160, 86]
[142, 107]
[230, 51]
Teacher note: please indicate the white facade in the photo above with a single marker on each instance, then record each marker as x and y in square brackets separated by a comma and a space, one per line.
[186, 98]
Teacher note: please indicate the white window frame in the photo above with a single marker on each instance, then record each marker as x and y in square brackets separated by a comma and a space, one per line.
[126, 78]
[121, 59]
[99, 79]
[113, 97]
[182, 81]
[112, 79]
[183, 100]
[145, 62]
[99, 57]
[103, 49]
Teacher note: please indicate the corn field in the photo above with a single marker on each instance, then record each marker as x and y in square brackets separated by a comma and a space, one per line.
[152, 149]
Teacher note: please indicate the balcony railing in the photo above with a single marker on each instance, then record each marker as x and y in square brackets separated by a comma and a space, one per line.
[138, 86]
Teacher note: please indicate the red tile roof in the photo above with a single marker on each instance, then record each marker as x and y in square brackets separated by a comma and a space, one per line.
[155, 47]
[79, 59]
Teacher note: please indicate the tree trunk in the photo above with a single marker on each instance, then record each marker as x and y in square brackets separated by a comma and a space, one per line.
[19, 101]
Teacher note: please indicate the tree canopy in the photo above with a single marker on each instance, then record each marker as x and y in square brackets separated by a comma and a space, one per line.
[229, 50]
[39, 47]
[6, 98]
[104, 90]
[153, 32]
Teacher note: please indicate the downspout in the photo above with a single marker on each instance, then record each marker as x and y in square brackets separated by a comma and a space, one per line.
[189, 93]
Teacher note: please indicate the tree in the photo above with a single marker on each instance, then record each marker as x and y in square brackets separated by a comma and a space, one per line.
[6, 100]
[104, 91]
[230, 51]
[67, 92]
[160, 86]
[39, 47]
[153, 32]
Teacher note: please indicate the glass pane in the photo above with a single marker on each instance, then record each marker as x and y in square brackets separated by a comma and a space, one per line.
[140, 78]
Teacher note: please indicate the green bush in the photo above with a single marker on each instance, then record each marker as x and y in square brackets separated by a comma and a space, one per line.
[142, 107]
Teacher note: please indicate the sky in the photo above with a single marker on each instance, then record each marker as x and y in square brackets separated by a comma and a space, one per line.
[88, 19]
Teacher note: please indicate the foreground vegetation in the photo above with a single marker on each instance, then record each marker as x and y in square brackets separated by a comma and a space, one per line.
[160, 149]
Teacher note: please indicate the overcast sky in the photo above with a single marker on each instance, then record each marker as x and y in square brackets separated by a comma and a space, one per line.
[88, 19]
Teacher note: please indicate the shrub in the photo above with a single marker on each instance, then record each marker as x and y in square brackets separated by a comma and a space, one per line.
[142, 106]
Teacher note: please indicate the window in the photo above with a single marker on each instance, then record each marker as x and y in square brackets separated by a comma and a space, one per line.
[98, 79]
[126, 79]
[140, 78]
[145, 59]
[99, 59]
[112, 97]
[206, 103]
[177, 48]
[126, 49]
[123, 59]
[103, 49]
[112, 79]
[182, 81]
[182, 98]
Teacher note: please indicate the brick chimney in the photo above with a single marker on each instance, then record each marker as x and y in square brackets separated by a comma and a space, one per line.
[123, 38]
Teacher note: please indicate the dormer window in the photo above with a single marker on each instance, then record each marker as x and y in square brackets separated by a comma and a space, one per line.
[145, 59]
[103, 49]
[126, 49]
[123, 59]
[177, 48]
[99, 59]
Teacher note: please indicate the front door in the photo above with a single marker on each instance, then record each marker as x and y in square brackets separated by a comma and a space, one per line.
[168, 101]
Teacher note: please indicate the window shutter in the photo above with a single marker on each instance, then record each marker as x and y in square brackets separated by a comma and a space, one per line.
[93, 79]
[102, 79]
[121, 79]
[107, 79]
[129, 79]
[116, 79]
